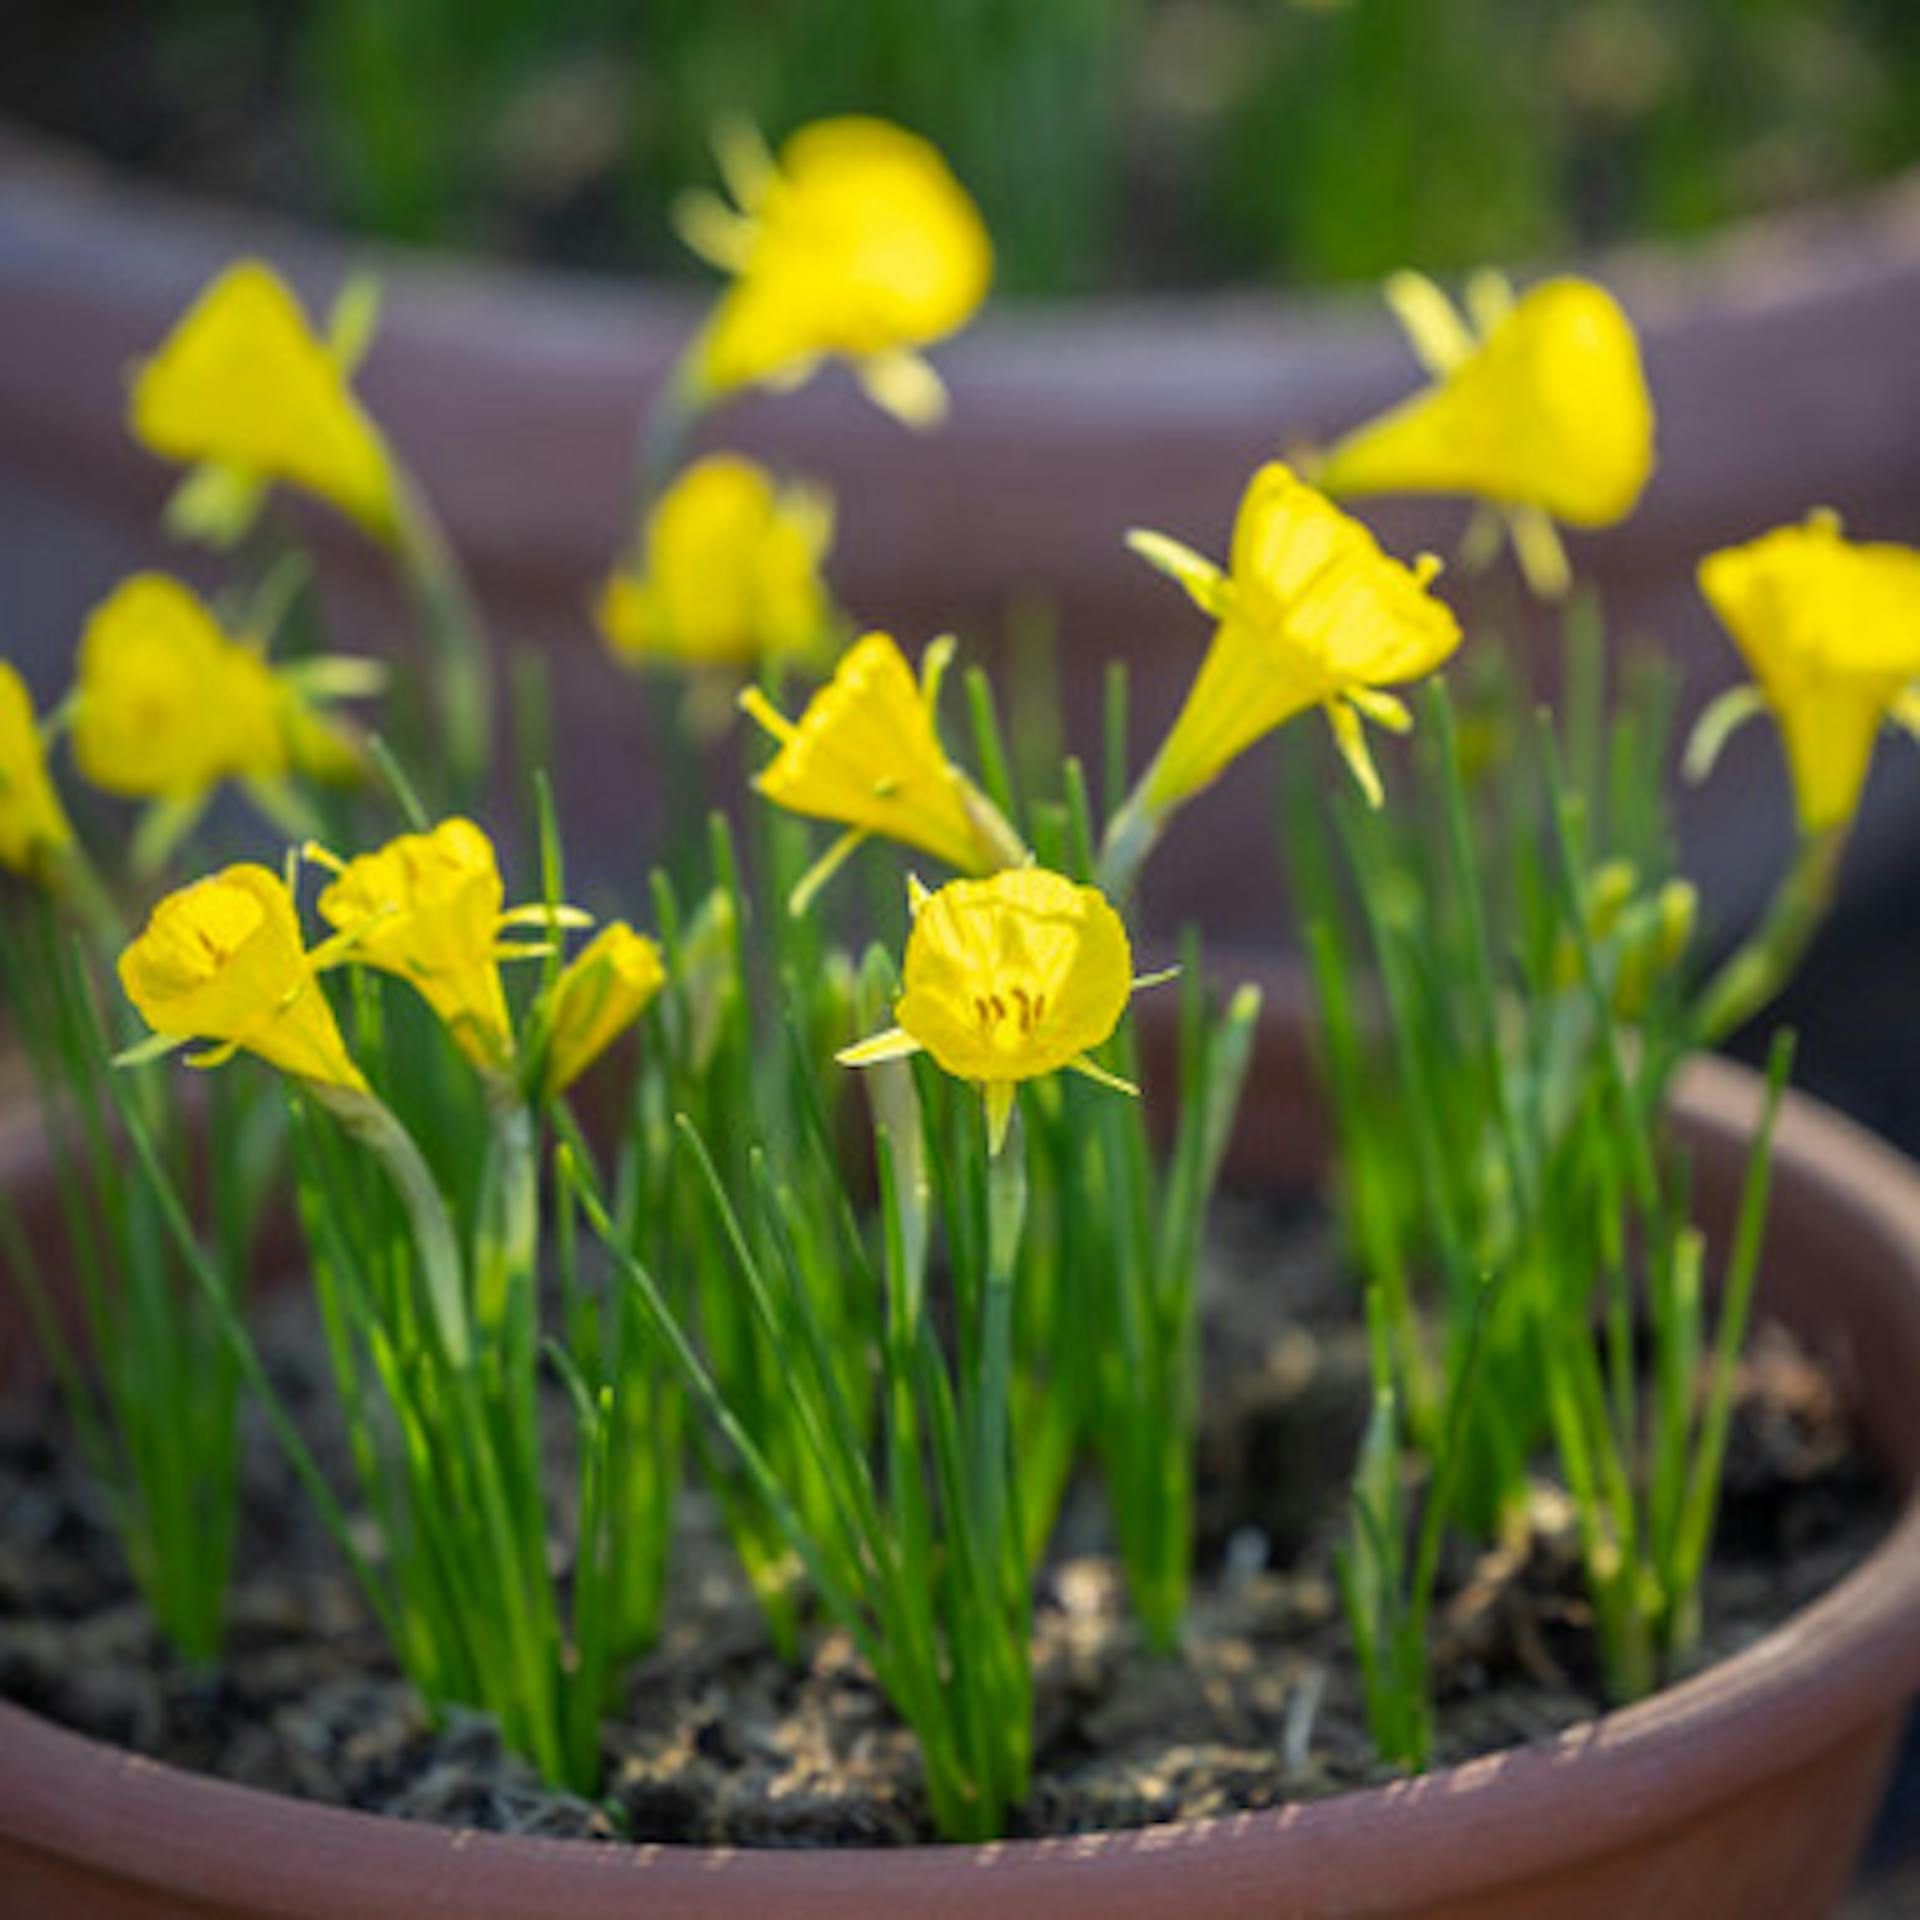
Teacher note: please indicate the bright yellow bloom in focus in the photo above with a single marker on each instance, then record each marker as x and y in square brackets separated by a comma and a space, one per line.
[1830, 629]
[867, 753]
[608, 985]
[34, 829]
[244, 382]
[1007, 979]
[858, 242]
[1311, 614]
[427, 908]
[1547, 414]
[222, 960]
[732, 572]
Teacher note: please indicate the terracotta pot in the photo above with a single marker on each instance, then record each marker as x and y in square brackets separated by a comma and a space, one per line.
[1743, 1793]
[1781, 357]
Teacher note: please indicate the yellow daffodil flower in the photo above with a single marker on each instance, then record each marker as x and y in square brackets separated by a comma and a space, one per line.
[1311, 614]
[1545, 415]
[243, 382]
[607, 986]
[168, 706]
[222, 960]
[731, 576]
[857, 242]
[866, 753]
[35, 833]
[1830, 629]
[1006, 979]
[426, 908]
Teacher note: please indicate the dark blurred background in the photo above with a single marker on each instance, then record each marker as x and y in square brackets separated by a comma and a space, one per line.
[1112, 143]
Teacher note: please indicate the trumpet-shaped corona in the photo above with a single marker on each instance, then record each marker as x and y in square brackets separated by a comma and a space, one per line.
[34, 830]
[222, 961]
[856, 243]
[426, 908]
[866, 753]
[732, 573]
[243, 382]
[1830, 629]
[1006, 979]
[1310, 613]
[608, 985]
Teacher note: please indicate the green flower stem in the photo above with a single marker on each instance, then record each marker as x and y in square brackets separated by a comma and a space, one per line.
[375, 1126]
[1131, 835]
[506, 1242]
[660, 447]
[458, 635]
[1758, 971]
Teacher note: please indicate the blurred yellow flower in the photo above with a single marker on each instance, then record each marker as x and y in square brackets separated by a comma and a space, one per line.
[1547, 414]
[427, 908]
[222, 960]
[244, 382]
[1830, 630]
[1311, 614]
[858, 242]
[732, 572]
[608, 985]
[867, 754]
[1006, 979]
[168, 705]
[34, 830]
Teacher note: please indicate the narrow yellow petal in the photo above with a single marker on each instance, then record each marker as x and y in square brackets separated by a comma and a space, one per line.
[1090, 1069]
[906, 386]
[1724, 716]
[1206, 585]
[1434, 329]
[999, 1096]
[1538, 548]
[895, 1044]
[1351, 738]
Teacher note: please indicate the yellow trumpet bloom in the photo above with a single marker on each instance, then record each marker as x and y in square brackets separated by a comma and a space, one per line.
[1006, 979]
[867, 753]
[732, 573]
[1830, 630]
[1547, 414]
[426, 908]
[222, 960]
[608, 985]
[244, 382]
[1311, 613]
[169, 706]
[857, 242]
[34, 830]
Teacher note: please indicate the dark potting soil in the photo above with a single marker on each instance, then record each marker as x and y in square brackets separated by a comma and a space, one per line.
[720, 1743]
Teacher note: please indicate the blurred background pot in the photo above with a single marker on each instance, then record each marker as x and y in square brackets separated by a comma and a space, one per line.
[1743, 1792]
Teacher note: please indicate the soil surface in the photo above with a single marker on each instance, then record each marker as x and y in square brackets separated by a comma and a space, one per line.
[720, 1743]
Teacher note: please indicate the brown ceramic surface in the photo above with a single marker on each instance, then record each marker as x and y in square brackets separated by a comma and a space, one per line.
[1741, 1795]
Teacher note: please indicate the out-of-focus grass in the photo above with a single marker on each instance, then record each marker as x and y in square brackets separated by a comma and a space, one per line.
[1110, 142]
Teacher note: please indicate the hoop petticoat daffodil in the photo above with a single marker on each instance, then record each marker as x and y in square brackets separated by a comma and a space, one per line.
[1007, 979]
[1830, 630]
[857, 243]
[604, 989]
[427, 908]
[168, 706]
[35, 833]
[731, 572]
[1545, 415]
[1311, 613]
[244, 383]
[222, 960]
[866, 753]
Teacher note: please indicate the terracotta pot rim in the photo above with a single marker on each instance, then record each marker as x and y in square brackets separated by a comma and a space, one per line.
[1778, 1703]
